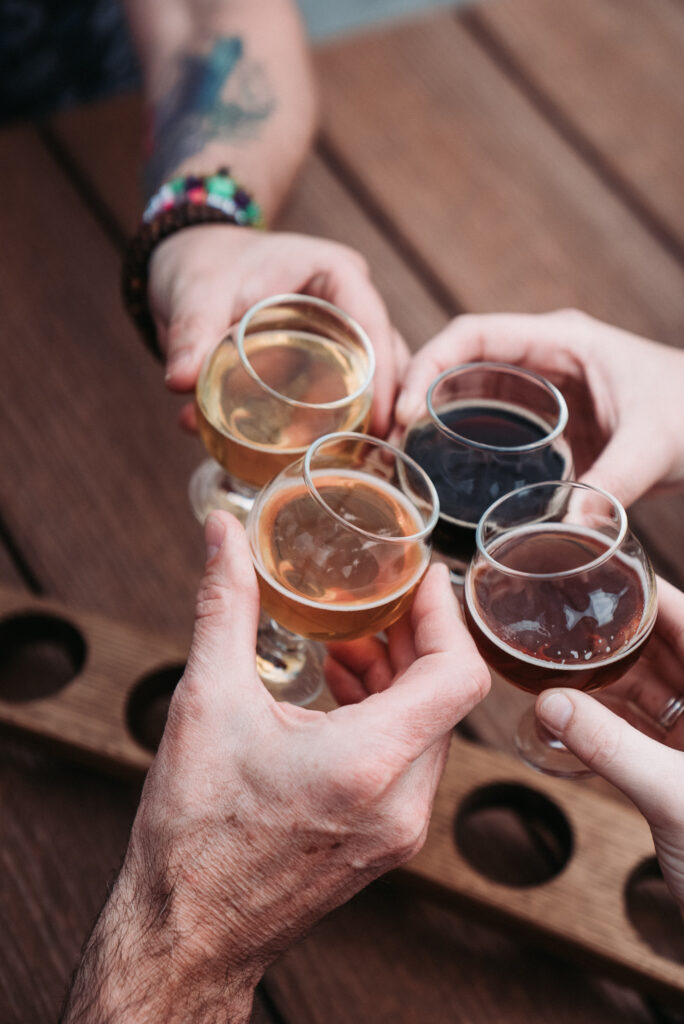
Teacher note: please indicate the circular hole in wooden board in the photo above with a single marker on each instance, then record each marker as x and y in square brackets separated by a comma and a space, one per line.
[39, 655]
[653, 911]
[513, 834]
[148, 705]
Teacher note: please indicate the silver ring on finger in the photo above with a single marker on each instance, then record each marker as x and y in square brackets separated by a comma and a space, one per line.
[670, 714]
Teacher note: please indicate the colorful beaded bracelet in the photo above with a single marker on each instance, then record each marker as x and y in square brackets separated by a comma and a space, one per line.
[218, 190]
[181, 203]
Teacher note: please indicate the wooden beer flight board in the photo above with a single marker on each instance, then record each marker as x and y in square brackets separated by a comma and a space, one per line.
[580, 908]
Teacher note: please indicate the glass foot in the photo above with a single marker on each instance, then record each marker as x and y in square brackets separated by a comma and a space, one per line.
[211, 487]
[542, 751]
[290, 667]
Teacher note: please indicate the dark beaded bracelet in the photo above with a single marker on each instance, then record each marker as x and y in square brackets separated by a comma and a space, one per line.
[181, 203]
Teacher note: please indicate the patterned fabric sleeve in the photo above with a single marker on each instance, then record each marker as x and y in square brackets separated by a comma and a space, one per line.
[55, 53]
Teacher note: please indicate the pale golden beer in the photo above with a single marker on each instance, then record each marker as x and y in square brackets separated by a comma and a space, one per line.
[252, 432]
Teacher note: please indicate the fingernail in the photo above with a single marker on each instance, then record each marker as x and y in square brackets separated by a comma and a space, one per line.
[214, 532]
[555, 711]
[176, 363]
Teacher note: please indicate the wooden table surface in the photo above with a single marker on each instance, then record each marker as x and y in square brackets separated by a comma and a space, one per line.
[521, 155]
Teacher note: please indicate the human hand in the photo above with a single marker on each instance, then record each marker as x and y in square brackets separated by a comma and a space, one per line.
[204, 279]
[648, 768]
[623, 392]
[258, 817]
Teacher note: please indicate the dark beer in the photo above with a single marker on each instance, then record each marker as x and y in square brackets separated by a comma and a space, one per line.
[468, 478]
[582, 630]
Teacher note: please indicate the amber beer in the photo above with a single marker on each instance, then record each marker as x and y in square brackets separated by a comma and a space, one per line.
[325, 581]
[249, 429]
[582, 630]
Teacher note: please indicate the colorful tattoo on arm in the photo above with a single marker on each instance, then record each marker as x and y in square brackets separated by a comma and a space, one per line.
[220, 95]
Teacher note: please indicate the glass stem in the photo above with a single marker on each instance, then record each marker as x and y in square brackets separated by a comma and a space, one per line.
[547, 738]
[290, 667]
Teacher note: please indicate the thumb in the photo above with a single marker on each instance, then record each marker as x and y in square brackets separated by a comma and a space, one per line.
[227, 609]
[629, 465]
[193, 332]
[648, 772]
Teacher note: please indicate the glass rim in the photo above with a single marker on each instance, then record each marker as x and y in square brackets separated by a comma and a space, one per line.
[300, 299]
[518, 371]
[349, 435]
[588, 566]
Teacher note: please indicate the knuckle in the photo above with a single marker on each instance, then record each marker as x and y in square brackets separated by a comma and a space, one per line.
[482, 681]
[571, 312]
[212, 599]
[364, 783]
[614, 480]
[448, 689]
[601, 747]
[464, 320]
[474, 678]
[378, 677]
[407, 833]
[185, 324]
[667, 817]
[362, 265]
[355, 259]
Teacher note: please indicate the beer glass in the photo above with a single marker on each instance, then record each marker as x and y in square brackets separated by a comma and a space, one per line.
[558, 593]
[340, 541]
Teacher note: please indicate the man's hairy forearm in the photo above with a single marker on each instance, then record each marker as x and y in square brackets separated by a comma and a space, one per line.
[225, 83]
[137, 967]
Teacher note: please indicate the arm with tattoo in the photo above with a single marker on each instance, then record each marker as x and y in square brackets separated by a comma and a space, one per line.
[225, 84]
[229, 83]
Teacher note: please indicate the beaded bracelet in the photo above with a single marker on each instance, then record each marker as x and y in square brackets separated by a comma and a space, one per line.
[217, 190]
[180, 203]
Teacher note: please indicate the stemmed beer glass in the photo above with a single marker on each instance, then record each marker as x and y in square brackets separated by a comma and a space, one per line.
[558, 593]
[488, 428]
[294, 368]
[340, 540]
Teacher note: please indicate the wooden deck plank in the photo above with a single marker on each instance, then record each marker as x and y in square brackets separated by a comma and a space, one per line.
[63, 835]
[498, 204]
[9, 574]
[321, 205]
[613, 70]
[102, 497]
[441, 972]
[101, 143]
